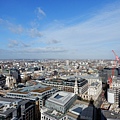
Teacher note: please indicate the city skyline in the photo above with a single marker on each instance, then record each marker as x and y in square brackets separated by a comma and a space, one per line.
[59, 29]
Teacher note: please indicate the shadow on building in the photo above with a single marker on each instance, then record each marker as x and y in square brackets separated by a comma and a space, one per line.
[85, 115]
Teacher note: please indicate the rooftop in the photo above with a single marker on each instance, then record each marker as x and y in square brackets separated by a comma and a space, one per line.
[54, 114]
[7, 112]
[31, 88]
[35, 88]
[8, 105]
[105, 106]
[111, 115]
[61, 97]
[95, 84]
[8, 99]
[40, 90]
[95, 76]
[82, 110]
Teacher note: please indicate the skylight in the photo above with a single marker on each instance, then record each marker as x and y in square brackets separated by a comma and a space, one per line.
[58, 96]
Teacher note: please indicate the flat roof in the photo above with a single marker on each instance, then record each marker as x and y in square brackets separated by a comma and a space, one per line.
[72, 115]
[5, 111]
[90, 76]
[82, 110]
[111, 115]
[40, 90]
[30, 88]
[95, 84]
[61, 97]
[33, 88]
[5, 99]
[54, 113]
[19, 92]
[105, 105]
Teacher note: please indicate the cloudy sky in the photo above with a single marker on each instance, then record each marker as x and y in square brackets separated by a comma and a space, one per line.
[60, 29]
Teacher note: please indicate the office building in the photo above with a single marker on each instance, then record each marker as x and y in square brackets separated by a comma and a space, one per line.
[68, 84]
[37, 93]
[16, 109]
[57, 106]
[60, 101]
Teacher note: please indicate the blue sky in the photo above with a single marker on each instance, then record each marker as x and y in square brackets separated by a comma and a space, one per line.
[60, 29]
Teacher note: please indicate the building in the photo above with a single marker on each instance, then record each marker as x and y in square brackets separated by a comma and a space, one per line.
[109, 115]
[94, 90]
[80, 112]
[110, 96]
[68, 84]
[91, 78]
[12, 72]
[115, 91]
[60, 101]
[76, 87]
[50, 114]
[10, 82]
[16, 74]
[57, 106]
[2, 81]
[37, 94]
[16, 109]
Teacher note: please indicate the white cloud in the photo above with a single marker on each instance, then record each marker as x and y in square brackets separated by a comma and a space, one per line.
[13, 43]
[40, 13]
[25, 45]
[33, 32]
[53, 41]
[43, 50]
[34, 24]
[92, 38]
[18, 29]
[18, 44]
[3, 51]
[94, 35]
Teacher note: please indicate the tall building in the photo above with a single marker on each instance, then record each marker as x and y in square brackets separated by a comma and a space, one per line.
[115, 91]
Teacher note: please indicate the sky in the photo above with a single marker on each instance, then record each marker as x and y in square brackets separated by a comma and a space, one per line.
[59, 29]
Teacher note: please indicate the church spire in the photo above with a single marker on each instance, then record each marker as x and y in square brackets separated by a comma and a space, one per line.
[76, 87]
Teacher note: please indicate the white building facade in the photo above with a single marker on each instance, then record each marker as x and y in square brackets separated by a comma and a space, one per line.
[94, 90]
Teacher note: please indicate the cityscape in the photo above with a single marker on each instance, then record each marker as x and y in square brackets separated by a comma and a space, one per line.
[59, 60]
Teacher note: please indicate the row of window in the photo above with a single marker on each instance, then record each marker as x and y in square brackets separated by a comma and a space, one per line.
[46, 118]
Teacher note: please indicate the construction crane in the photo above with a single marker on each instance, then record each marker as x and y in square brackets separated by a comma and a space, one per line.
[117, 60]
[113, 69]
[116, 57]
